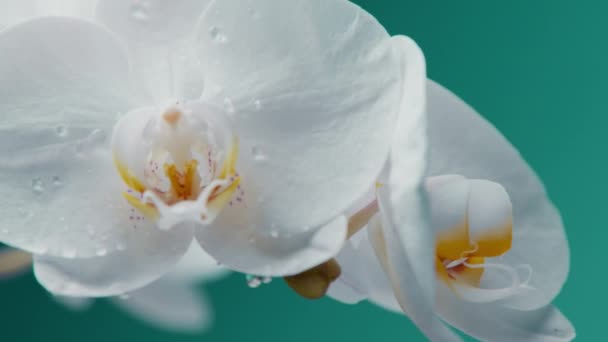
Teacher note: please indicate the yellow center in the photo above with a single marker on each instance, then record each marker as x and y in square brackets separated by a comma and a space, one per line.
[459, 259]
[184, 185]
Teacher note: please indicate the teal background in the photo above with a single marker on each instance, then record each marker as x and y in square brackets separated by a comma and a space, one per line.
[536, 69]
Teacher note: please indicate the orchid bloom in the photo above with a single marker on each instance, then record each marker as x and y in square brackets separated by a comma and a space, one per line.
[172, 303]
[487, 256]
[243, 124]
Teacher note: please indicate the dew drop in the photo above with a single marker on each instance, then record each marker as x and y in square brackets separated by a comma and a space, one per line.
[140, 11]
[61, 130]
[102, 252]
[56, 180]
[274, 233]
[228, 106]
[253, 13]
[257, 104]
[217, 35]
[37, 185]
[257, 154]
[253, 281]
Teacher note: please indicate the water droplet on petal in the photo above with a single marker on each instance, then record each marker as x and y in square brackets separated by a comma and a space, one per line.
[257, 153]
[253, 13]
[61, 130]
[37, 185]
[257, 105]
[228, 106]
[274, 233]
[120, 246]
[102, 252]
[266, 280]
[217, 35]
[140, 11]
[56, 180]
[124, 296]
[253, 281]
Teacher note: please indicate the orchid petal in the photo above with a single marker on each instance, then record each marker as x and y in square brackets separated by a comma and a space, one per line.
[462, 142]
[489, 218]
[489, 322]
[14, 11]
[232, 241]
[150, 254]
[404, 242]
[406, 287]
[360, 272]
[62, 87]
[196, 265]
[160, 37]
[169, 305]
[305, 82]
[77, 8]
[78, 304]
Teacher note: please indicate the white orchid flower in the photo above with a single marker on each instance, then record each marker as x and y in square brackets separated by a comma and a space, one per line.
[491, 257]
[259, 165]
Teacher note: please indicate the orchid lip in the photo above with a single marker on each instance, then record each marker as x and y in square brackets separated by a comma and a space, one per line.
[189, 174]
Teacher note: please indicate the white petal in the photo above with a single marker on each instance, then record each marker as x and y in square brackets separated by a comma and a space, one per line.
[75, 303]
[77, 8]
[307, 82]
[60, 90]
[150, 255]
[159, 35]
[14, 11]
[462, 142]
[232, 241]
[448, 197]
[169, 305]
[361, 274]
[404, 241]
[407, 284]
[499, 324]
[489, 211]
[196, 266]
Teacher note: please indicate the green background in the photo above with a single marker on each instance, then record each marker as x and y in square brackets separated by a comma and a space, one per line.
[536, 69]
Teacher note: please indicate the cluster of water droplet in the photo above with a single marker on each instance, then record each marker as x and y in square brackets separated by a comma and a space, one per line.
[256, 281]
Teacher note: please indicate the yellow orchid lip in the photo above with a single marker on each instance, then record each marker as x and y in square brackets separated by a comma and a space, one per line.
[460, 260]
[183, 185]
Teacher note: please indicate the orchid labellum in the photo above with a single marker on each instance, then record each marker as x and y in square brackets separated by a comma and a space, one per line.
[250, 126]
[471, 239]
